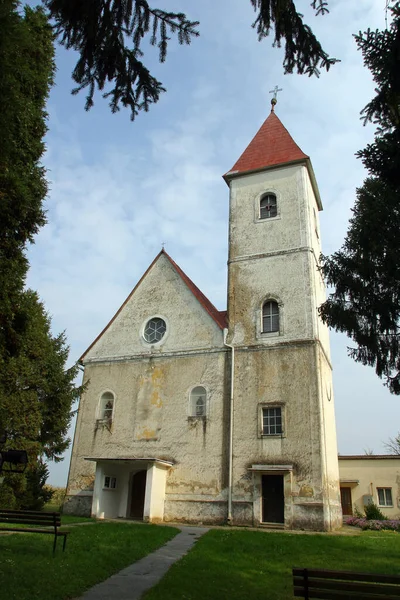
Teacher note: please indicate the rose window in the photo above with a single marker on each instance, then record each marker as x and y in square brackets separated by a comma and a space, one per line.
[154, 330]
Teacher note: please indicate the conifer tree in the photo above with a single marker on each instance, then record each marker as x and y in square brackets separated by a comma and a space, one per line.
[108, 35]
[36, 389]
[26, 74]
[365, 272]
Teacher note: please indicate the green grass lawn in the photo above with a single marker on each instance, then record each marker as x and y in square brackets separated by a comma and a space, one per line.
[28, 570]
[247, 565]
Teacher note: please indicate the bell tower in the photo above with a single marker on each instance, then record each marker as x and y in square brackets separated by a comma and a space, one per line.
[284, 465]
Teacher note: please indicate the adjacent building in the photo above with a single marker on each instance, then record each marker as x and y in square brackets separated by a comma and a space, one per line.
[370, 478]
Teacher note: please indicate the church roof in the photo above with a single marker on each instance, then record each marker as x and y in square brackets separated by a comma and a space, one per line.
[220, 317]
[271, 146]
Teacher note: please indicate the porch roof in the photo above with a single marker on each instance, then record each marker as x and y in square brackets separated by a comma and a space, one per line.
[130, 459]
[270, 468]
[349, 482]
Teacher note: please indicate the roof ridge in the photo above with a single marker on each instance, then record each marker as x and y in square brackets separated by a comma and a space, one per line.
[218, 316]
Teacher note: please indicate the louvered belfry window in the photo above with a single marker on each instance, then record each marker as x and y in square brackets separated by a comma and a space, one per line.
[270, 317]
[268, 206]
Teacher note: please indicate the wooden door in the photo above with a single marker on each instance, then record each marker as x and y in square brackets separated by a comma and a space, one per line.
[345, 497]
[272, 499]
[138, 490]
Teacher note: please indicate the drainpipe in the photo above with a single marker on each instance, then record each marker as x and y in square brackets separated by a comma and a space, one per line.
[230, 484]
[323, 434]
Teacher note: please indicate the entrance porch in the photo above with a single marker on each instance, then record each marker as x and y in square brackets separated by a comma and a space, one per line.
[129, 488]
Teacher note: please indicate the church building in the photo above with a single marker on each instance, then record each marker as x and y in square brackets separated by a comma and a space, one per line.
[197, 415]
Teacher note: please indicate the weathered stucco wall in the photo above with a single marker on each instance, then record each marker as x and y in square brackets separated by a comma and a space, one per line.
[276, 258]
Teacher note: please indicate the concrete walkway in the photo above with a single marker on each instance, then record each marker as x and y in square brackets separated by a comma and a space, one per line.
[132, 582]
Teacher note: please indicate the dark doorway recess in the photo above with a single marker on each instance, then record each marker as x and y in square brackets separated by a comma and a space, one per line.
[272, 499]
[137, 494]
[345, 497]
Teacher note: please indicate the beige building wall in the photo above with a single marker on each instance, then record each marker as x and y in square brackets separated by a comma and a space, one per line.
[365, 477]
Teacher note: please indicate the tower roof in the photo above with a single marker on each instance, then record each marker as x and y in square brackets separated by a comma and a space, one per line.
[271, 146]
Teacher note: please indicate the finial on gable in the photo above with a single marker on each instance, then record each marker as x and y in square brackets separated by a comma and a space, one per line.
[274, 99]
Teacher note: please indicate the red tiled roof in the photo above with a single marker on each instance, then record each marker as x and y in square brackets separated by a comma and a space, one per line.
[271, 146]
[220, 317]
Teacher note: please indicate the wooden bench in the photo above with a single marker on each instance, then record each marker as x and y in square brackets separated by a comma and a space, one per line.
[52, 521]
[329, 585]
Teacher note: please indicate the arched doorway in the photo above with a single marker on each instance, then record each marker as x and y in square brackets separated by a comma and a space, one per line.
[138, 489]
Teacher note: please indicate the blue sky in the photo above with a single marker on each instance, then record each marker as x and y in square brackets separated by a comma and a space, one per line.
[118, 189]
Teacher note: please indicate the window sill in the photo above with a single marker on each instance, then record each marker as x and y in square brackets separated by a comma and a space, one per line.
[199, 418]
[272, 435]
[268, 219]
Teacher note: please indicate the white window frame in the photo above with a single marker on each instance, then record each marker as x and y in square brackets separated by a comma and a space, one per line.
[264, 407]
[194, 400]
[262, 336]
[110, 482]
[385, 491]
[273, 331]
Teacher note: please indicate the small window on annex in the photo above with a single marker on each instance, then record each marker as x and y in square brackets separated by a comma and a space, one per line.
[110, 483]
[106, 406]
[272, 421]
[270, 316]
[268, 206]
[198, 402]
[385, 496]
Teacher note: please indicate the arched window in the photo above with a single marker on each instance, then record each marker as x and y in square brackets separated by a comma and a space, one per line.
[198, 402]
[268, 206]
[270, 316]
[106, 407]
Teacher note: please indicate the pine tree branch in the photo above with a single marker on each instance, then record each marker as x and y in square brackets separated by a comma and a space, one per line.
[108, 35]
[303, 51]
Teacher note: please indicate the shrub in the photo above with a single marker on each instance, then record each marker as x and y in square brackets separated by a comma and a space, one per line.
[373, 513]
[36, 493]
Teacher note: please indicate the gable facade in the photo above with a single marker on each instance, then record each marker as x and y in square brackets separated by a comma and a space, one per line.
[223, 418]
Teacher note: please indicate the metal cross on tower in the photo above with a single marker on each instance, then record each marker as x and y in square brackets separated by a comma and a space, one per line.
[275, 92]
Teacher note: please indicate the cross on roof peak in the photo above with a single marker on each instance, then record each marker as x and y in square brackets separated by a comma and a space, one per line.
[274, 99]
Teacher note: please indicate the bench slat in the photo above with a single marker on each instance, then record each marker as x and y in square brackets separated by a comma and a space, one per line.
[26, 530]
[384, 590]
[347, 575]
[32, 522]
[334, 595]
[26, 512]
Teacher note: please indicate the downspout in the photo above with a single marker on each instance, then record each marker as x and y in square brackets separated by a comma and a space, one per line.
[230, 478]
[323, 433]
